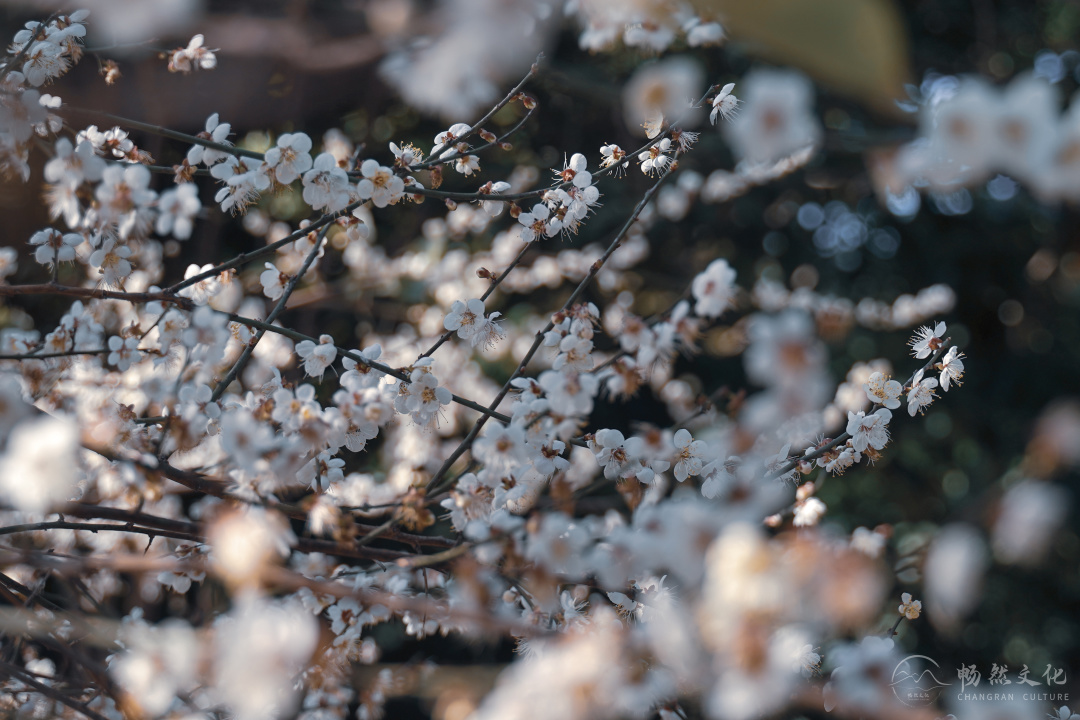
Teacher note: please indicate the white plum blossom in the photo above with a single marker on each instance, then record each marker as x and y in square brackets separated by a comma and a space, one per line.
[494, 208]
[379, 184]
[322, 471]
[317, 357]
[502, 449]
[724, 105]
[123, 352]
[952, 368]
[868, 542]
[809, 512]
[869, 430]
[690, 455]
[126, 199]
[614, 156]
[217, 132]
[700, 33]
[177, 209]
[468, 321]
[662, 89]
[776, 117]
[615, 453]
[273, 281]
[290, 157]
[655, 160]
[405, 156]
[244, 542]
[44, 62]
[448, 137]
[196, 403]
[570, 394]
[714, 289]
[72, 164]
[883, 391]
[292, 408]
[193, 57]
[575, 172]
[111, 260]
[326, 185]
[921, 393]
[927, 340]
[54, 246]
[422, 398]
[909, 608]
[360, 374]
[157, 662]
[202, 291]
[9, 262]
[467, 164]
[259, 649]
[243, 181]
[538, 223]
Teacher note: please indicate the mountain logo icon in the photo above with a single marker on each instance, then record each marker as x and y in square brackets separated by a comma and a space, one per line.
[916, 681]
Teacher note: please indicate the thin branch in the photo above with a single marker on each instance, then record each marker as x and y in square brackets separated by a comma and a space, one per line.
[216, 488]
[433, 160]
[243, 258]
[242, 361]
[65, 353]
[162, 131]
[96, 527]
[487, 293]
[167, 296]
[49, 692]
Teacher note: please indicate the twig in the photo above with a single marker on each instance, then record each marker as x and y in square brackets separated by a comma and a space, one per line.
[433, 160]
[242, 361]
[65, 353]
[96, 527]
[487, 293]
[167, 296]
[243, 258]
[52, 693]
[162, 131]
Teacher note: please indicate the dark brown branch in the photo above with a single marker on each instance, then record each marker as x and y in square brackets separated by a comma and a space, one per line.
[51, 693]
[167, 296]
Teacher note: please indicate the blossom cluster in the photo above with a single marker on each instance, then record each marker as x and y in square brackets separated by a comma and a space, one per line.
[298, 503]
[973, 131]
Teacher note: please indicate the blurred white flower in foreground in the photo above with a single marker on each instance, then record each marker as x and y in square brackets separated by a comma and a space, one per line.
[776, 117]
[454, 73]
[245, 541]
[953, 574]
[1031, 512]
[668, 86]
[39, 470]
[259, 649]
[158, 661]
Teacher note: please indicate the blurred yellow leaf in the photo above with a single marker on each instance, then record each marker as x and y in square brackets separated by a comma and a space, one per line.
[858, 47]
